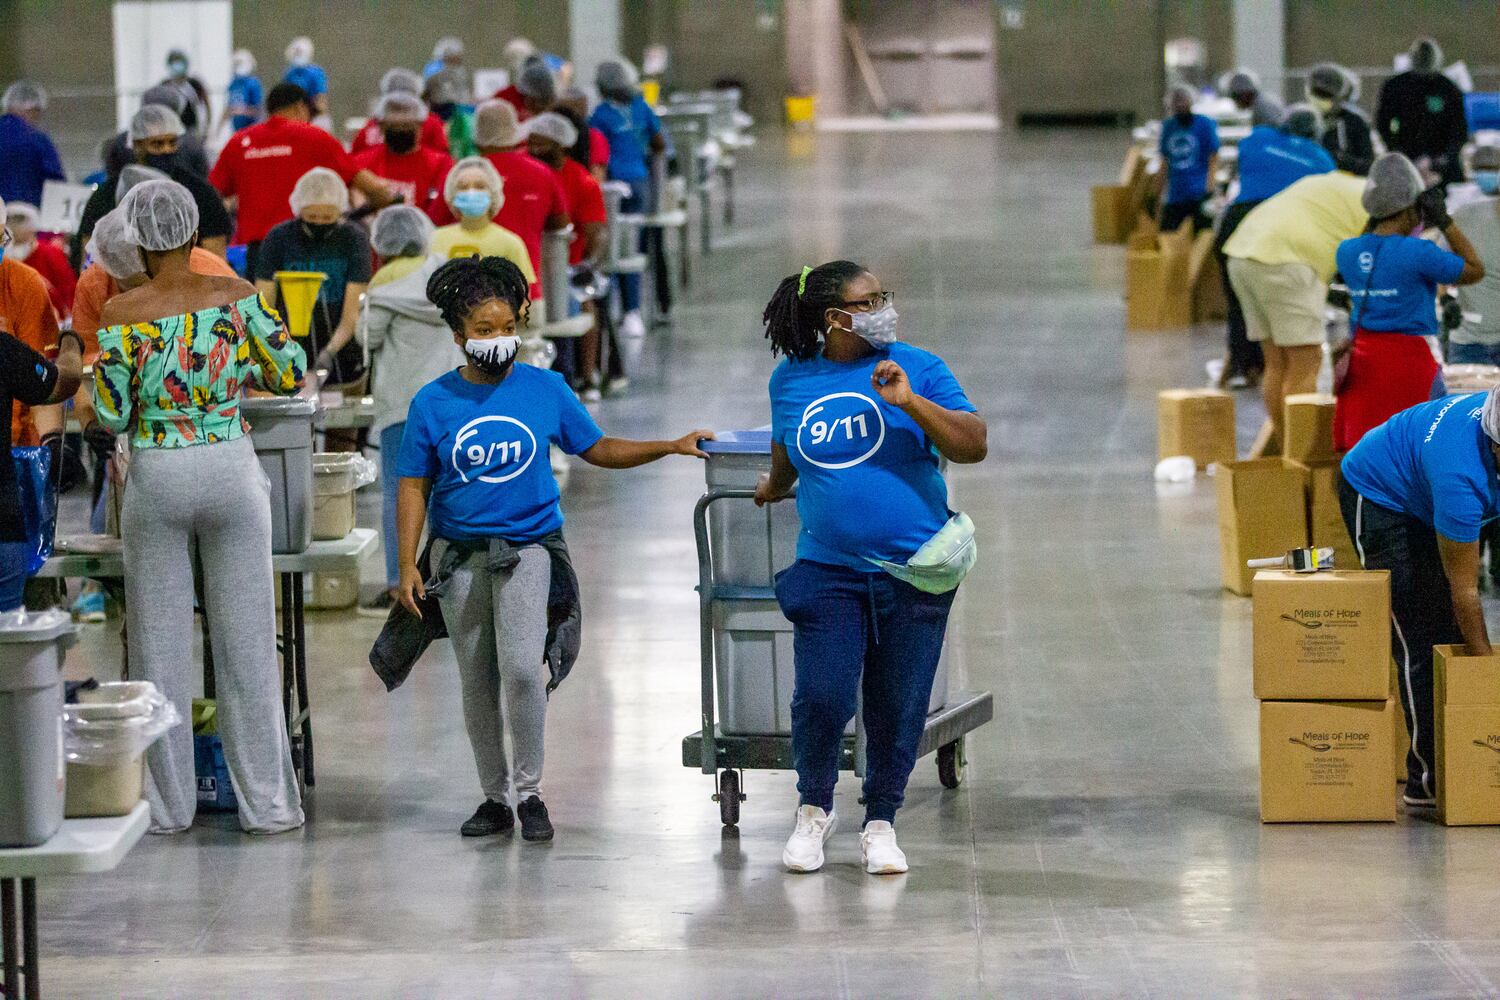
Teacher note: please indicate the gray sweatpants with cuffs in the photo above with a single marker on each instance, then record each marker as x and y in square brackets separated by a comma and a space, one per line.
[214, 498]
[498, 624]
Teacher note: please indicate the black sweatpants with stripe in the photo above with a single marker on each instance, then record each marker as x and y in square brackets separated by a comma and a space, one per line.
[1421, 615]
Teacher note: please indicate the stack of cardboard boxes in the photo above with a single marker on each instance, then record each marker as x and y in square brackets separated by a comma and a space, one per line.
[1262, 514]
[1466, 700]
[1172, 280]
[1323, 677]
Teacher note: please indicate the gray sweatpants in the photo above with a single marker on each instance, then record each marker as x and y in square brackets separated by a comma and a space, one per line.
[213, 497]
[498, 624]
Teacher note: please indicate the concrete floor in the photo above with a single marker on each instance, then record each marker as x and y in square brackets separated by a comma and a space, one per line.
[1106, 841]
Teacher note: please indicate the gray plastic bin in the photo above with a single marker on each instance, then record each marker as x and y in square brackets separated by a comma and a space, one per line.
[32, 775]
[754, 667]
[282, 430]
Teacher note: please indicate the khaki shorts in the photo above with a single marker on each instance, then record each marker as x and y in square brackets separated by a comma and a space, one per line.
[1283, 303]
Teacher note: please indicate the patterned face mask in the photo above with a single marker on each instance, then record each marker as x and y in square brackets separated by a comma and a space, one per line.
[877, 328]
[492, 355]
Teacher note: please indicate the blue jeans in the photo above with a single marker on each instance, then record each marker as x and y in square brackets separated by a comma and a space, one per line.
[1473, 354]
[390, 448]
[13, 559]
[637, 201]
[851, 629]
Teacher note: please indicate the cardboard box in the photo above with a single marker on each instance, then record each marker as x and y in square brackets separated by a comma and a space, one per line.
[1307, 428]
[1260, 515]
[1325, 519]
[1403, 735]
[1466, 699]
[1196, 422]
[1158, 287]
[1326, 761]
[1322, 636]
[1209, 303]
[1113, 218]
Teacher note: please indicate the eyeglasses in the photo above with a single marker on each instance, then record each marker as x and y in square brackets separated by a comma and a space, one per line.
[877, 301]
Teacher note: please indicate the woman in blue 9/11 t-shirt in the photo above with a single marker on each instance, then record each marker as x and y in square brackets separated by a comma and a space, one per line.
[474, 461]
[859, 422]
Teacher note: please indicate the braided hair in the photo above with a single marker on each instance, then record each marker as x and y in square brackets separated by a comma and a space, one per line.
[465, 282]
[794, 316]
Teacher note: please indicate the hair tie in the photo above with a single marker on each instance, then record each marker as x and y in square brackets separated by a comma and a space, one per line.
[802, 282]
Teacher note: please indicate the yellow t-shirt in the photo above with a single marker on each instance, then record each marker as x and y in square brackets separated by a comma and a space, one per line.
[1303, 224]
[491, 241]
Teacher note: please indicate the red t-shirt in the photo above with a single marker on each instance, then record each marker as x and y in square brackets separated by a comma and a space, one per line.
[52, 264]
[417, 175]
[598, 148]
[262, 163]
[585, 203]
[512, 96]
[532, 193]
[434, 136]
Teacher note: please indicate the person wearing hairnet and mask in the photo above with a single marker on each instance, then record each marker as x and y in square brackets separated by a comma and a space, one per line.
[318, 238]
[634, 133]
[410, 345]
[1271, 159]
[447, 54]
[1416, 493]
[42, 256]
[1477, 340]
[190, 151]
[533, 91]
[434, 134]
[155, 136]
[245, 96]
[1421, 113]
[1243, 88]
[1332, 90]
[175, 355]
[407, 167]
[195, 115]
[1393, 278]
[302, 71]
[28, 159]
[1189, 149]
[475, 193]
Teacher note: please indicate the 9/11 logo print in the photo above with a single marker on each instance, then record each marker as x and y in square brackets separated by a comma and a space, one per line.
[493, 449]
[840, 430]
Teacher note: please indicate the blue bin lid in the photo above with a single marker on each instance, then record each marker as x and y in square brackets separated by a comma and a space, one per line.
[751, 442]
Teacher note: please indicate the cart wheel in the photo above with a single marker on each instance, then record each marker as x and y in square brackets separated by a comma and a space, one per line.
[950, 762]
[729, 797]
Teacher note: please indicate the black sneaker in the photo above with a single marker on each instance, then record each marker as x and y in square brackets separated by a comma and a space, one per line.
[534, 822]
[489, 819]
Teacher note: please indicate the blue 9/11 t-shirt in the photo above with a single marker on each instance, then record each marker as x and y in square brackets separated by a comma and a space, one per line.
[1393, 282]
[869, 484]
[1186, 149]
[1432, 462]
[484, 447]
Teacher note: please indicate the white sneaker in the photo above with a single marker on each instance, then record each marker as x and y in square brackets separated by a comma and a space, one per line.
[632, 325]
[877, 843]
[804, 848]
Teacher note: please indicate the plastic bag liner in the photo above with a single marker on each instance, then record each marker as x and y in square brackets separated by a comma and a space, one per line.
[38, 503]
[116, 721]
[338, 472]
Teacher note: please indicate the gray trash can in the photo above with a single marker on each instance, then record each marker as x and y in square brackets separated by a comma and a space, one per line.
[754, 672]
[282, 430]
[32, 774]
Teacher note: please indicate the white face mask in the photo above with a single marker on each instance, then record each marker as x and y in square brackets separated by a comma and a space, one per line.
[877, 328]
[493, 354]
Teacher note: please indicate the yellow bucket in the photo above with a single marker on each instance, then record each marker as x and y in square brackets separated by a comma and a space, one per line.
[651, 91]
[800, 110]
[299, 293]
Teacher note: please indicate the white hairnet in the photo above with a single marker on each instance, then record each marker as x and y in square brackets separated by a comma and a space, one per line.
[401, 231]
[400, 108]
[136, 173]
[1302, 120]
[1489, 417]
[1485, 158]
[319, 186]
[1426, 55]
[495, 124]
[479, 165]
[299, 51]
[113, 248]
[160, 215]
[1394, 184]
[164, 96]
[516, 52]
[614, 78]
[1241, 81]
[22, 96]
[20, 211]
[154, 122]
[1332, 81]
[537, 82]
[402, 80]
[447, 48]
[555, 127]
[243, 62]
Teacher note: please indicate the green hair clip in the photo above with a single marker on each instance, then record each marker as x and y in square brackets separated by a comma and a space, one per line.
[802, 282]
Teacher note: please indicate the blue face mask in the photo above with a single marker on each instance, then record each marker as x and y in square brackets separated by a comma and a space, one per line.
[1488, 181]
[472, 204]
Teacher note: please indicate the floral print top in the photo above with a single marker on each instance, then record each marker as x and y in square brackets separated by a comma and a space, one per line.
[176, 382]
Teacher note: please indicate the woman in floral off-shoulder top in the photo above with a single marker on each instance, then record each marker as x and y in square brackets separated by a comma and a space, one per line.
[175, 354]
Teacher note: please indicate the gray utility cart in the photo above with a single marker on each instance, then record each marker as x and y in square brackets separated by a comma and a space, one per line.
[747, 642]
